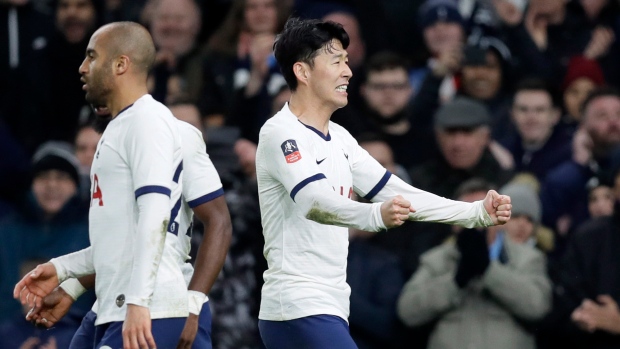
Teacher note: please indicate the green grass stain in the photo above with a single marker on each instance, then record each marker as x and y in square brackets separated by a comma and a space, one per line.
[320, 216]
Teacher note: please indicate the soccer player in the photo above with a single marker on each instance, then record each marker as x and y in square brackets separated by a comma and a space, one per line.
[142, 297]
[202, 195]
[307, 169]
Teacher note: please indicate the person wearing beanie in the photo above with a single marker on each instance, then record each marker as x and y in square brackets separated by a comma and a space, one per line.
[51, 220]
[582, 77]
[478, 288]
[526, 213]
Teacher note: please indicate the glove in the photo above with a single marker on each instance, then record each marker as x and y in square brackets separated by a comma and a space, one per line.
[472, 245]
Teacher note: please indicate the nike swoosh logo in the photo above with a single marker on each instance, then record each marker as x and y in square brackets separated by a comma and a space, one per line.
[318, 162]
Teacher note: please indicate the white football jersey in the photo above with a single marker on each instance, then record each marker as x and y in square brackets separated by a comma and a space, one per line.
[139, 153]
[307, 260]
[201, 184]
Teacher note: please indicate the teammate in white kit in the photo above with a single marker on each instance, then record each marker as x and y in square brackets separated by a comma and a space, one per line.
[203, 195]
[307, 169]
[135, 188]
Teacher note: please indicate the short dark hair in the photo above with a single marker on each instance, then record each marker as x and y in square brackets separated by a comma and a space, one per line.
[386, 60]
[604, 91]
[300, 41]
[473, 185]
[537, 84]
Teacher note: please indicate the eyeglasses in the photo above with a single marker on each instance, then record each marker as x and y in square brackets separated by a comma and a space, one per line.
[384, 86]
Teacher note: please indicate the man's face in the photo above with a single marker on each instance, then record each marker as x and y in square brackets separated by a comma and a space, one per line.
[261, 16]
[85, 147]
[602, 121]
[388, 91]
[381, 152]
[52, 189]
[601, 201]
[463, 147]
[75, 19]
[96, 71]
[175, 26]
[534, 115]
[575, 94]
[330, 74]
[442, 35]
[519, 228]
[483, 82]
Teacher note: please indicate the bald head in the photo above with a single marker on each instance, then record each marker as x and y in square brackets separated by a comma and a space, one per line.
[129, 39]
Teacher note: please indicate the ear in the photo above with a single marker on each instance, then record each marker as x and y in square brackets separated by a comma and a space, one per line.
[302, 72]
[121, 65]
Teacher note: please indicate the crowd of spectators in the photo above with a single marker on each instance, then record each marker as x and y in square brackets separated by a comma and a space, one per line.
[454, 96]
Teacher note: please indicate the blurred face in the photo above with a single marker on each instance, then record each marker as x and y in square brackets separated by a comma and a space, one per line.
[463, 148]
[75, 19]
[85, 147]
[574, 96]
[356, 48]
[330, 74]
[188, 113]
[387, 92]
[442, 35]
[601, 202]
[519, 228]
[246, 152]
[483, 81]
[381, 152]
[534, 115]
[602, 121]
[52, 189]
[261, 16]
[175, 26]
[96, 71]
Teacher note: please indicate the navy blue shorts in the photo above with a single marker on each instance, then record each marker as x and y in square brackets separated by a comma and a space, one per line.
[311, 332]
[84, 337]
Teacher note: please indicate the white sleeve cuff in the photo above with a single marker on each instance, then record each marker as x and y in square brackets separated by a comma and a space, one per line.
[73, 288]
[195, 300]
[61, 271]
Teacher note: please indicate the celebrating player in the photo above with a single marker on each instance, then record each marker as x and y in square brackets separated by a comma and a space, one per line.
[135, 195]
[307, 169]
[202, 195]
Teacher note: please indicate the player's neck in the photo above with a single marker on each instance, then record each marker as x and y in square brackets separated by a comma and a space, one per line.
[125, 97]
[310, 110]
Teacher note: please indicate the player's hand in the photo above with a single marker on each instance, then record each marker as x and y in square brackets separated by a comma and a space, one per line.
[189, 332]
[54, 307]
[395, 212]
[498, 207]
[36, 285]
[137, 328]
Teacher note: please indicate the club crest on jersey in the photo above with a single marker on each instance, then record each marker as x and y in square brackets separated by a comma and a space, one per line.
[290, 150]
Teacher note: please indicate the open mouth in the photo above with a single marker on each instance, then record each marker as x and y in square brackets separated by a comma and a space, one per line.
[342, 88]
[101, 110]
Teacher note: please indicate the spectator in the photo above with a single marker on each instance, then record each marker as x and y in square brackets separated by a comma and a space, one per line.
[386, 92]
[241, 77]
[380, 150]
[524, 226]
[25, 31]
[76, 20]
[480, 291]
[177, 73]
[601, 201]
[582, 77]
[589, 296]
[564, 193]
[462, 129]
[538, 145]
[444, 35]
[52, 221]
[483, 73]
